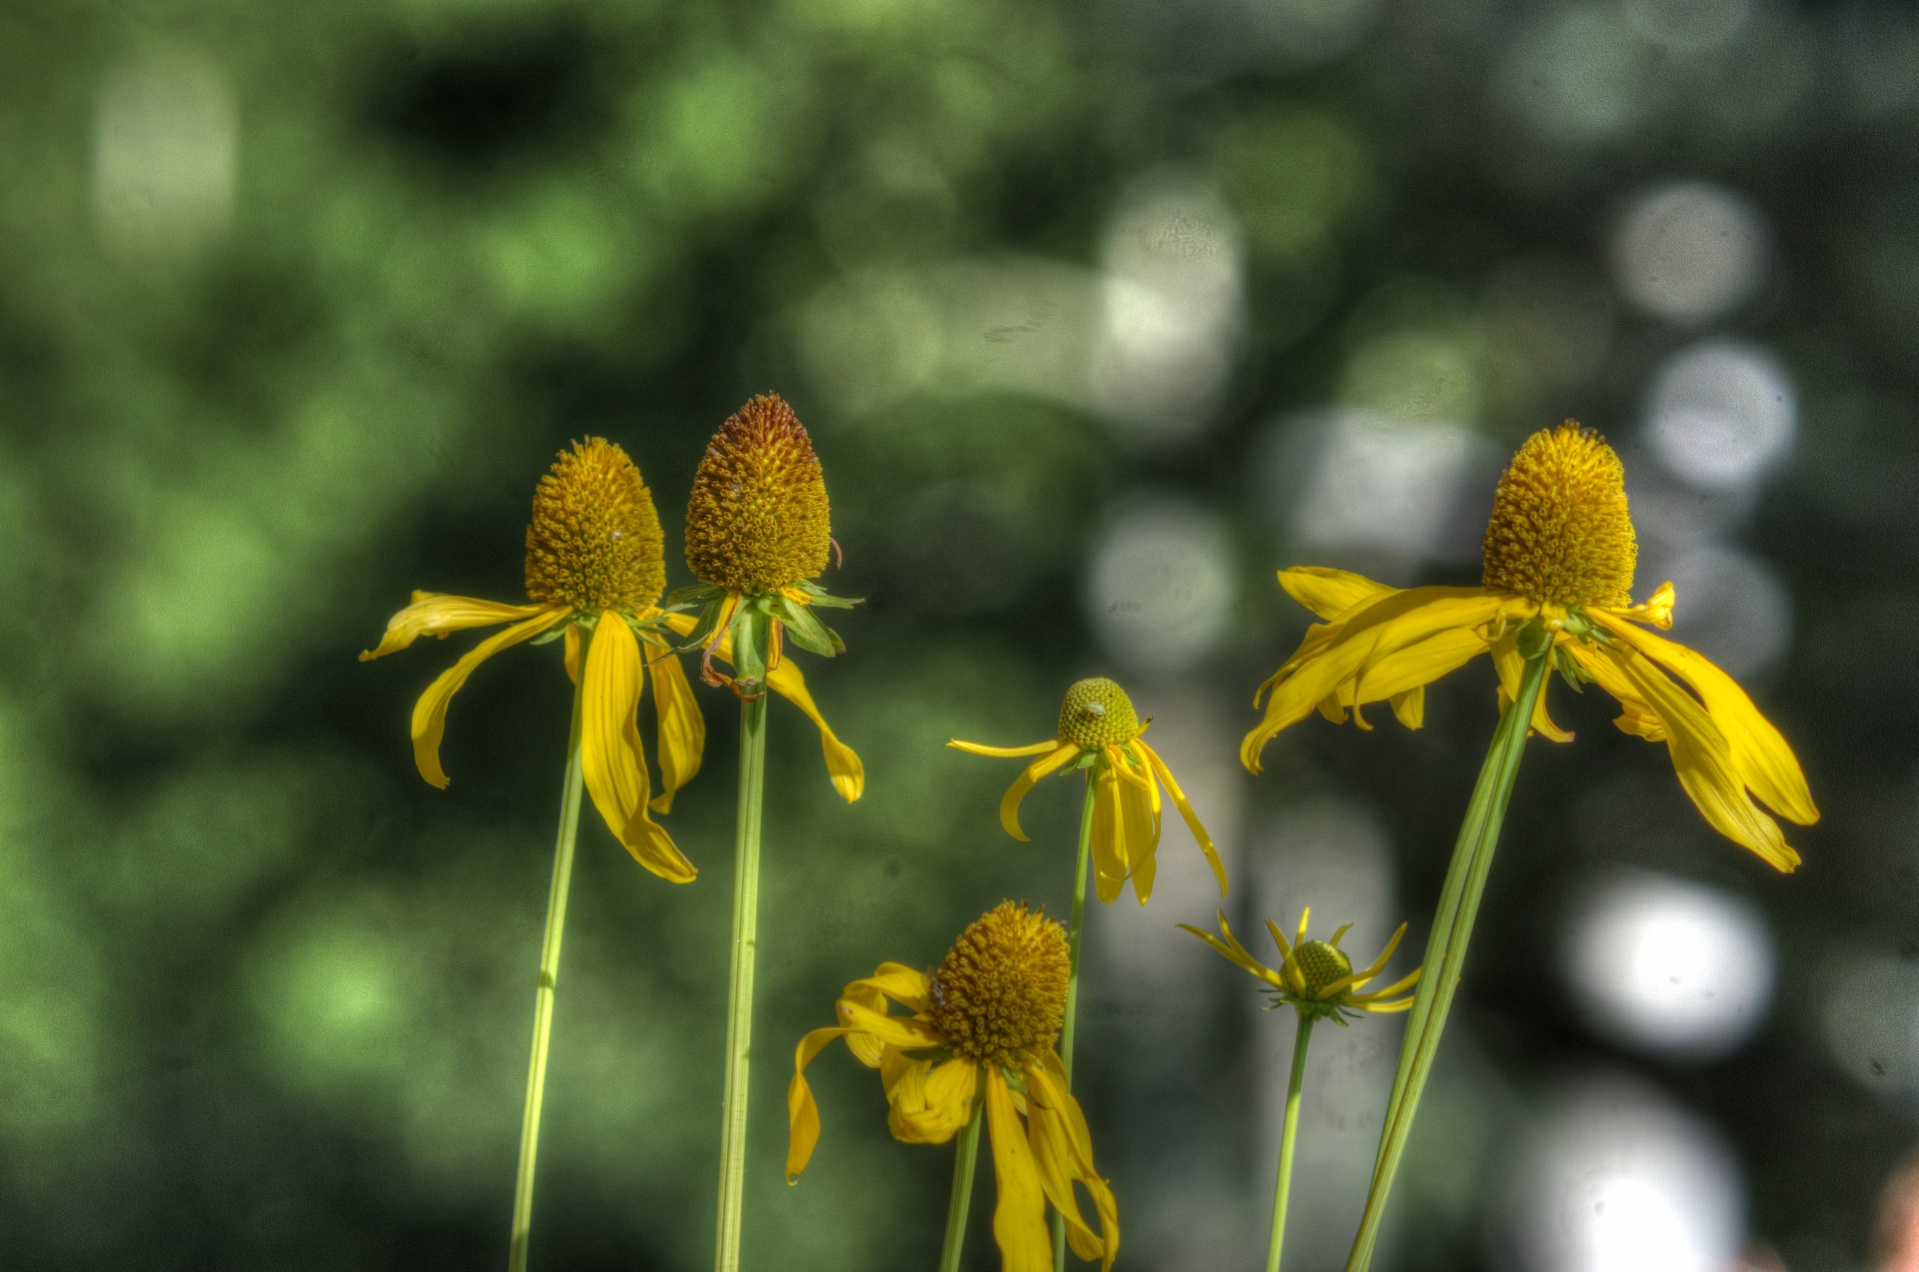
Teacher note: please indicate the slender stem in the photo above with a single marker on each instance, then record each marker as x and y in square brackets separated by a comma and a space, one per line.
[739, 1002]
[964, 1162]
[1072, 976]
[1446, 947]
[1284, 1184]
[543, 996]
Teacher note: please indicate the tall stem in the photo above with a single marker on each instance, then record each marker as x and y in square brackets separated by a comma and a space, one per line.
[543, 996]
[964, 1168]
[1446, 947]
[1072, 975]
[1283, 1186]
[739, 1002]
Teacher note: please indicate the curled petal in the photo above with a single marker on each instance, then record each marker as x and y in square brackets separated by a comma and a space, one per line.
[1331, 594]
[1703, 759]
[1016, 793]
[429, 713]
[1761, 754]
[436, 614]
[682, 728]
[1368, 638]
[1063, 1151]
[1511, 666]
[932, 1103]
[802, 1113]
[610, 756]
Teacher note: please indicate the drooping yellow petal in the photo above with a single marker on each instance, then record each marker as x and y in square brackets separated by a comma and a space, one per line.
[1511, 666]
[1019, 1219]
[1410, 707]
[905, 985]
[436, 614]
[610, 755]
[1186, 813]
[934, 1102]
[1139, 823]
[1003, 752]
[1234, 952]
[1655, 609]
[1330, 593]
[429, 713]
[802, 1113]
[1635, 716]
[1703, 759]
[1369, 636]
[843, 764]
[1758, 750]
[1016, 793]
[894, 1031]
[570, 641]
[682, 727]
[1111, 861]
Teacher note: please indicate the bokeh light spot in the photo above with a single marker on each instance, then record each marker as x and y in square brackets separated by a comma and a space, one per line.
[1720, 413]
[1689, 251]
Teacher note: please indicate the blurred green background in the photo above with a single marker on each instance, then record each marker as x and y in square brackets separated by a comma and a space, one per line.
[1099, 311]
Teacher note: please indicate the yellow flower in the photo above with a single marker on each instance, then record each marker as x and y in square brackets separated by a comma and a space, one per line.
[1316, 977]
[988, 1017]
[1559, 558]
[1098, 728]
[594, 570]
[757, 532]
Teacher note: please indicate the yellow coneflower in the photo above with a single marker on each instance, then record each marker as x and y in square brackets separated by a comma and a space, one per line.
[757, 533]
[981, 1035]
[594, 571]
[1318, 980]
[1100, 731]
[595, 568]
[1556, 592]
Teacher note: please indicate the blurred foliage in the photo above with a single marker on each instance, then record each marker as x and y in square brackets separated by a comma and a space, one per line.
[297, 302]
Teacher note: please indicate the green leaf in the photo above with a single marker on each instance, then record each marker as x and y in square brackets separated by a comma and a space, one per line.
[806, 630]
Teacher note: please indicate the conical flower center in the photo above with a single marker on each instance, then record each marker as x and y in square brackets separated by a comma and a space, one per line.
[758, 520]
[1560, 532]
[594, 541]
[1097, 713]
[999, 995]
[1320, 964]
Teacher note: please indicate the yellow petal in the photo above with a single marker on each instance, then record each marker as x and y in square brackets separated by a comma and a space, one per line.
[436, 614]
[1330, 593]
[1063, 1151]
[1019, 1220]
[1410, 707]
[934, 1103]
[1704, 762]
[1511, 666]
[894, 1031]
[842, 765]
[570, 640]
[1416, 666]
[682, 727]
[905, 985]
[802, 1114]
[1655, 609]
[1003, 752]
[1760, 752]
[1635, 716]
[610, 755]
[1111, 864]
[1139, 822]
[429, 713]
[1016, 793]
[1372, 633]
[1234, 952]
[1186, 812]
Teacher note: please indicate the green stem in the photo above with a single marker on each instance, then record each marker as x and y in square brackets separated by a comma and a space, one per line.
[1072, 976]
[543, 996]
[1446, 946]
[739, 1003]
[964, 1163]
[1284, 1184]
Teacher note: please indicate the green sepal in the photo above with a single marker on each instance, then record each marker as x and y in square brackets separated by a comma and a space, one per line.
[709, 620]
[932, 1055]
[818, 595]
[694, 597]
[1084, 760]
[1533, 639]
[1015, 1081]
[806, 630]
[651, 631]
[1575, 676]
[749, 630]
[552, 634]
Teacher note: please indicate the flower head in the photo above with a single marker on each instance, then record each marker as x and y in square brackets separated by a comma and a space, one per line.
[1316, 977]
[1559, 561]
[1100, 731]
[594, 570]
[594, 542]
[758, 520]
[980, 1039]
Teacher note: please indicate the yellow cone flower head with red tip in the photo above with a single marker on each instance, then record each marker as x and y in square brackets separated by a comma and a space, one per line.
[1316, 977]
[758, 531]
[1559, 553]
[1099, 729]
[981, 1037]
[595, 568]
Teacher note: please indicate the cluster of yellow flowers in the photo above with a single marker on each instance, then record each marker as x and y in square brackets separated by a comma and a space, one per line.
[987, 1037]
